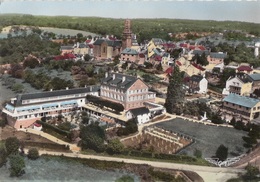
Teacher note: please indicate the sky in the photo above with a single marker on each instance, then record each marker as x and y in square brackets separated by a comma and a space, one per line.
[220, 10]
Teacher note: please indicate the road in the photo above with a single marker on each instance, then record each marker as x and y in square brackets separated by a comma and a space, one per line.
[209, 174]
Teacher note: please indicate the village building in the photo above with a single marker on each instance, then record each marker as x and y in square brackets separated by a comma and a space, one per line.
[23, 110]
[127, 35]
[142, 115]
[241, 107]
[129, 54]
[81, 49]
[240, 84]
[130, 91]
[255, 79]
[66, 49]
[106, 49]
[198, 84]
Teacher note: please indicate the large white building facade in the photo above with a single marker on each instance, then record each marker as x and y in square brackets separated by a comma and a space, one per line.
[23, 110]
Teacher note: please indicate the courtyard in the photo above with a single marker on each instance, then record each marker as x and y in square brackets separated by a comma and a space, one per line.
[207, 138]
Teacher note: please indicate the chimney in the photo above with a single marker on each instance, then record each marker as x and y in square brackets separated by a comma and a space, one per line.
[106, 75]
[123, 79]
[51, 90]
[90, 88]
[114, 76]
[67, 88]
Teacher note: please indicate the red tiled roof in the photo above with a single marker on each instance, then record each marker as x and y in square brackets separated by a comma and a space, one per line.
[178, 63]
[202, 48]
[169, 70]
[88, 41]
[65, 56]
[37, 124]
[244, 68]
[90, 46]
[183, 45]
[141, 55]
[192, 47]
[197, 66]
[157, 58]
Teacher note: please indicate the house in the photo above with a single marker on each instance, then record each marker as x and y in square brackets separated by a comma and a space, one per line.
[141, 114]
[240, 84]
[106, 49]
[81, 49]
[241, 107]
[23, 110]
[244, 69]
[130, 91]
[67, 49]
[129, 54]
[255, 78]
[216, 57]
[190, 68]
[198, 84]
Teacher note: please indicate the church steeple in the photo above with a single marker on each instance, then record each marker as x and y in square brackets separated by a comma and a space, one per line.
[127, 35]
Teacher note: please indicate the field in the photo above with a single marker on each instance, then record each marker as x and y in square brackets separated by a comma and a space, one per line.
[207, 138]
[55, 169]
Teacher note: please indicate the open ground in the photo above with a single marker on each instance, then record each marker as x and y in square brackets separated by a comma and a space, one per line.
[207, 138]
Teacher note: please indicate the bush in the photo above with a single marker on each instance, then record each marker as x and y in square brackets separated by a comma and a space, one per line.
[16, 165]
[33, 154]
[125, 178]
[12, 145]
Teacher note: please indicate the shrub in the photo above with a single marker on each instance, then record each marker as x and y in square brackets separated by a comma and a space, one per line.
[33, 154]
[16, 165]
[125, 178]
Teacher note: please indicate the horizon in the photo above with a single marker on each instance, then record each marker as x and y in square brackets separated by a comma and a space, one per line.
[238, 11]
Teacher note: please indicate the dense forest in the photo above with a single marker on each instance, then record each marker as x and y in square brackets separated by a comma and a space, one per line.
[143, 28]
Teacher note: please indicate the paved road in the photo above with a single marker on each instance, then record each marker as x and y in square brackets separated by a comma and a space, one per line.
[209, 174]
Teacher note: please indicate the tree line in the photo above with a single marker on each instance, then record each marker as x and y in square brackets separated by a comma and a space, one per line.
[144, 28]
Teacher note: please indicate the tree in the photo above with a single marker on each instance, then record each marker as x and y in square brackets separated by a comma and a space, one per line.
[3, 155]
[12, 145]
[115, 146]
[175, 93]
[130, 127]
[87, 57]
[197, 153]
[93, 137]
[17, 165]
[33, 153]
[30, 62]
[222, 152]
[233, 121]
[216, 118]
[251, 172]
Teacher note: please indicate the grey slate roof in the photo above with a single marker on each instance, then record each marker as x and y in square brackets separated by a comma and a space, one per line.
[112, 43]
[118, 82]
[55, 93]
[254, 77]
[139, 111]
[129, 51]
[196, 78]
[241, 100]
[67, 47]
[200, 52]
[218, 55]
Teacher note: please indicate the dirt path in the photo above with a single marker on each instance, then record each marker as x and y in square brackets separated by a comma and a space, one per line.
[252, 158]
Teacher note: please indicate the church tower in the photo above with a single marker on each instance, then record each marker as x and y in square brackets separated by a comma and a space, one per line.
[127, 35]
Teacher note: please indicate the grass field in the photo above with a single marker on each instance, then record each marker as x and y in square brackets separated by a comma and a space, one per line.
[207, 138]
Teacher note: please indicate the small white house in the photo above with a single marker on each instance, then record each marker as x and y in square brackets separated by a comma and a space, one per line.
[198, 84]
[142, 114]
